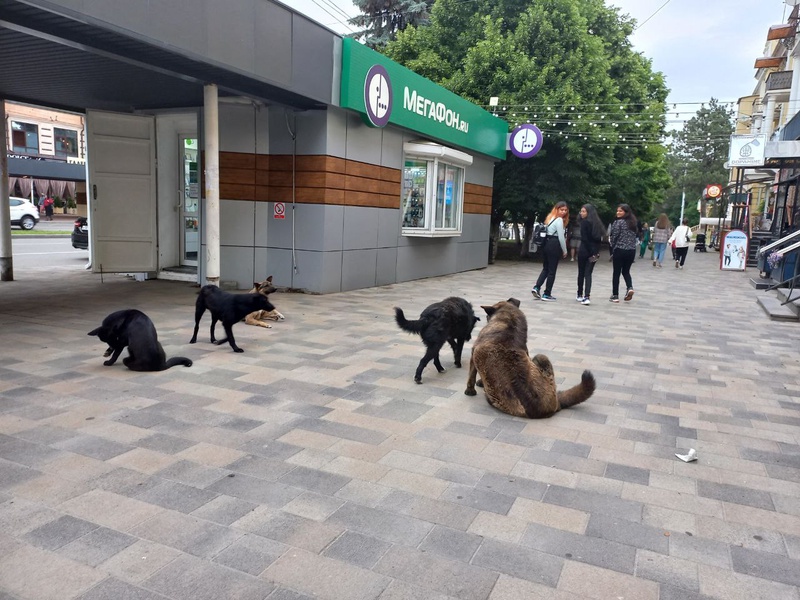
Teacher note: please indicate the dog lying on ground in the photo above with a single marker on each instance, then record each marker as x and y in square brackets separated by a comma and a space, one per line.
[450, 320]
[134, 329]
[514, 383]
[265, 288]
[228, 308]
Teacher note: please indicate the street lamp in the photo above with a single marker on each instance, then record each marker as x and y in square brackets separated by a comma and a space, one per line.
[494, 100]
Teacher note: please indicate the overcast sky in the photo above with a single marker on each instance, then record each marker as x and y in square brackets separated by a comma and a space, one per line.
[704, 48]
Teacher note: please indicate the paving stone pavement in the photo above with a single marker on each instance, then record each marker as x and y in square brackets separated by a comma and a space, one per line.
[312, 465]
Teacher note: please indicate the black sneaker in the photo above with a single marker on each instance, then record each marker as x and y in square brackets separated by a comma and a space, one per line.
[548, 298]
[614, 299]
[536, 294]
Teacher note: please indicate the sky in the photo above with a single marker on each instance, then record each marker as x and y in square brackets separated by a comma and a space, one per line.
[705, 48]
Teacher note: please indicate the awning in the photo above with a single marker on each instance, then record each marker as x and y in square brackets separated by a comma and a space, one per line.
[714, 221]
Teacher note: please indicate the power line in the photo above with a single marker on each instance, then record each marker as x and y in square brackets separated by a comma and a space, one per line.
[651, 16]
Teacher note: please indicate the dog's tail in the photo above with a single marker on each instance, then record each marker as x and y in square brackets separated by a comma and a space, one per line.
[579, 393]
[178, 360]
[417, 326]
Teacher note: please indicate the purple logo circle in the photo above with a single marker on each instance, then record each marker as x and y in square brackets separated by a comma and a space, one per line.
[525, 141]
[378, 96]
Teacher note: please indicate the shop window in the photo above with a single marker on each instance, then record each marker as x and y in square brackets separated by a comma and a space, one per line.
[433, 190]
[24, 138]
[66, 142]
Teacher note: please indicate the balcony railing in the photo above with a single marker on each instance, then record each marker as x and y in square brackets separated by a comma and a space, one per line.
[791, 130]
[779, 80]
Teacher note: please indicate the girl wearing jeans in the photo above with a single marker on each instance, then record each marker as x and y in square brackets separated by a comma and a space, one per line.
[660, 239]
[554, 249]
[623, 241]
[592, 230]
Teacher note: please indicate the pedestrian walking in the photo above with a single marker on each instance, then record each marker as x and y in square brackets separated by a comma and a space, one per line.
[48, 207]
[591, 232]
[661, 233]
[574, 239]
[554, 249]
[645, 240]
[681, 236]
[623, 242]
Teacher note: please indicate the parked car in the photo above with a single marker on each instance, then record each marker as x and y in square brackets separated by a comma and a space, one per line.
[80, 234]
[24, 214]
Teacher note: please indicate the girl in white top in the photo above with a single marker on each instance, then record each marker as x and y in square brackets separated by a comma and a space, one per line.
[554, 249]
[682, 236]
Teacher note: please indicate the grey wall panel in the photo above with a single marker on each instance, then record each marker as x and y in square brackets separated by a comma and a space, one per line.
[386, 270]
[359, 269]
[273, 24]
[360, 228]
[178, 23]
[262, 220]
[364, 143]
[392, 148]
[312, 60]
[318, 228]
[475, 228]
[275, 262]
[311, 130]
[237, 127]
[318, 272]
[439, 257]
[337, 132]
[388, 227]
[473, 256]
[232, 33]
[481, 172]
[132, 15]
[280, 141]
[236, 223]
[236, 264]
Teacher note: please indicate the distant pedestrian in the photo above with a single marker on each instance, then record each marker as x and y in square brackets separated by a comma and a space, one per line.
[574, 239]
[592, 230]
[661, 233]
[623, 242]
[645, 240]
[48, 207]
[554, 249]
[681, 236]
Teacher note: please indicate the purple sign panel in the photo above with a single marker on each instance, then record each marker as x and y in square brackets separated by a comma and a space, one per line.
[378, 96]
[525, 141]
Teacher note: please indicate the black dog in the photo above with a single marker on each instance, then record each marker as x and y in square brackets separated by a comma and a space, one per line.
[134, 329]
[450, 320]
[228, 308]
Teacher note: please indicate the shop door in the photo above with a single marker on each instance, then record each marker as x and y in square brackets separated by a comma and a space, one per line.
[122, 192]
[189, 198]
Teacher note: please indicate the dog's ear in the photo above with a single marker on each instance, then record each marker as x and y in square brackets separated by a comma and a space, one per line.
[256, 285]
[490, 310]
[95, 331]
[513, 301]
[269, 280]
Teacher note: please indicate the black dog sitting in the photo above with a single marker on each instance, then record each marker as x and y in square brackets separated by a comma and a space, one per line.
[450, 320]
[134, 329]
[228, 308]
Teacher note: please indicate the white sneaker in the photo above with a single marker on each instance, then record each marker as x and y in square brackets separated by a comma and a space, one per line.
[586, 301]
[578, 298]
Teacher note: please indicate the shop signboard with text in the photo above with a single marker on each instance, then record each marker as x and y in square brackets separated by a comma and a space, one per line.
[385, 92]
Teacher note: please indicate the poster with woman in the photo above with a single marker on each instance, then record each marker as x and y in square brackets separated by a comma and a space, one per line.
[733, 251]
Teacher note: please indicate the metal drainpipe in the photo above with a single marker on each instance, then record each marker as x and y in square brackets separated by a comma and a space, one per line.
[211, 221]
[6, 256]
[293, 135]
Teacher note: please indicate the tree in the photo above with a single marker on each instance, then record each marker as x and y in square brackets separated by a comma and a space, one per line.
[700, 150]
[566, 65]
[382, 19]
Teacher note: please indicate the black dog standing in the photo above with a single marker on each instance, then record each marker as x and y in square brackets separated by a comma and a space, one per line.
[134, 329]
[450, 320]
[228, 308]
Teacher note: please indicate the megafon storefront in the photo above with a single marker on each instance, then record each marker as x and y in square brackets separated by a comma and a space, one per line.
[418, 163]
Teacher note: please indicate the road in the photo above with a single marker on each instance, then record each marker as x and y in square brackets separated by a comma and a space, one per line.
[47, 254]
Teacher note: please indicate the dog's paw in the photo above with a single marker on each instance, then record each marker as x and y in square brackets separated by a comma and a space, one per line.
[108, 363]
[108, 352]
[470, 392]
[479, 383]
[418, 380]
[238, 350]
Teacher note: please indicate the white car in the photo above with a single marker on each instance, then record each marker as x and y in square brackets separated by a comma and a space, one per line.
[24, 213]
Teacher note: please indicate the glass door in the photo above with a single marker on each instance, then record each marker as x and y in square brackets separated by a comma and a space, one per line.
[189, 202]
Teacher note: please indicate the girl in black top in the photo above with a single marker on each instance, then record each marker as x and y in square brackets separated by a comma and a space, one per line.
[623, 240]
[592, 230]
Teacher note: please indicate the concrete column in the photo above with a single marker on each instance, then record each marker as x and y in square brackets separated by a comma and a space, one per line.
[769, 117]
[6, 257]
[794, 94]
[211, 217]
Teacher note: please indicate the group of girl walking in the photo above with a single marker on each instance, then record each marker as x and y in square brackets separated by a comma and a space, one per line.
[623, 240]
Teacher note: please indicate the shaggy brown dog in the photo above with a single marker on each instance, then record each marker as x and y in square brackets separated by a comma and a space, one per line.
[265, 288]
[514, 383]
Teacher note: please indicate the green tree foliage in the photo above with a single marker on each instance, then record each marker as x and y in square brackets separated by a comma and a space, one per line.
[382, 19]
[697, 157]
[567, 66]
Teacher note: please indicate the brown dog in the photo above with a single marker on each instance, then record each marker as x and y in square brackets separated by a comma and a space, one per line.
[265, 288]
[514, 383]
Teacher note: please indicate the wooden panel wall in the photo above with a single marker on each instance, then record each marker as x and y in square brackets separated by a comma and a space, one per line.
[322, 180]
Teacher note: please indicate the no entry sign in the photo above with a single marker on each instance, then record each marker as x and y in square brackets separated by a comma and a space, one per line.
[279, 211]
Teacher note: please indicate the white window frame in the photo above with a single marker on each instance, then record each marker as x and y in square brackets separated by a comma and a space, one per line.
[436, 156]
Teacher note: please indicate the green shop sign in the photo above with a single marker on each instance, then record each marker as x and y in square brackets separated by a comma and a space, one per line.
[385, 92]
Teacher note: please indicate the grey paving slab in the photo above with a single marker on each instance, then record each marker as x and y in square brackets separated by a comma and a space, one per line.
[280, 455]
